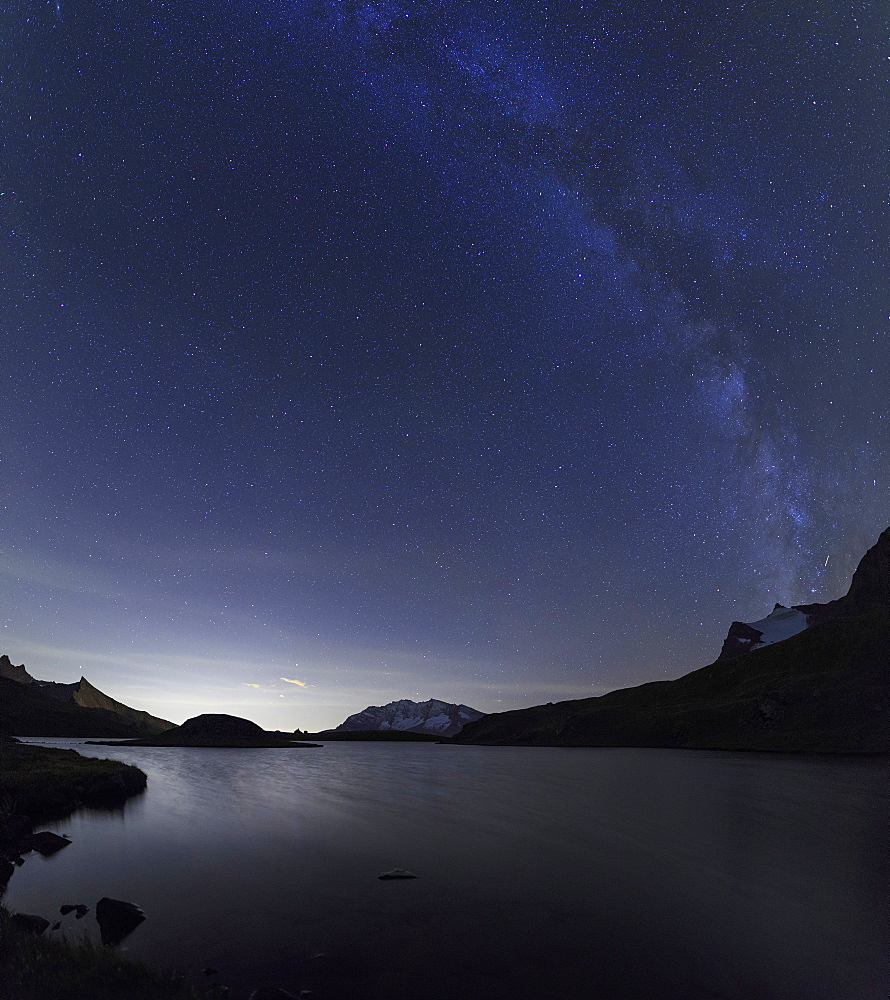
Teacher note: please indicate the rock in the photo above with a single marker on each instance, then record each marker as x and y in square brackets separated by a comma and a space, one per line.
[117, 919]
[30, 922]
[77, 908]
[271, 993]
[47, 843]
[82, 911]
[397, 873]
[210, 972]
[56, 925]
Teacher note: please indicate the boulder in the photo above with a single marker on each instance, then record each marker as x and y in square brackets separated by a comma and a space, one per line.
[30, 922]
[47, 843]
[6, 870]
[117, 919]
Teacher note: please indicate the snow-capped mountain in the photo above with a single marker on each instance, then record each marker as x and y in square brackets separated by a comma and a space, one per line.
[870, 587]
[440, 718]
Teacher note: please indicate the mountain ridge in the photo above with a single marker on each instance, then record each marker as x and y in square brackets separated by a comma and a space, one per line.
[439, 718]
[32, 707]
[869, 588]
[823, 689]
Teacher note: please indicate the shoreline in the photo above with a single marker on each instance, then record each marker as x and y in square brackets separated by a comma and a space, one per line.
[44, 784]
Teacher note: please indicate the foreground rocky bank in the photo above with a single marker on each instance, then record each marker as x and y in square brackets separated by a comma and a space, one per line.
[36, 963]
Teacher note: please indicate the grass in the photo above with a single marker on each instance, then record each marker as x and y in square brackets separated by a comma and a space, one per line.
[46, 783]
[48, 968]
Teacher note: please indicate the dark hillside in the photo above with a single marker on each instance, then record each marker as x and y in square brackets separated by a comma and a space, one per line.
[26, 710]
[824, 690]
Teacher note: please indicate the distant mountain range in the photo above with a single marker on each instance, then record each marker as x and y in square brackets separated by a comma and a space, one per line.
[810, 678]
[434, 717]
[31, 707]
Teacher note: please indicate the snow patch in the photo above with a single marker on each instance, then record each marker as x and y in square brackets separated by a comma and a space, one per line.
[781, 623]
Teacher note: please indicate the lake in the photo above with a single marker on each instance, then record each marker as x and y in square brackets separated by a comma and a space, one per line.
[543, 872]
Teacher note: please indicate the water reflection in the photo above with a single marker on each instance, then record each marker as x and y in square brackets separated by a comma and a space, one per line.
[543, 872]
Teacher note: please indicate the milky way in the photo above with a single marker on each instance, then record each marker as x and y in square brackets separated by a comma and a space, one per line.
[492, 352]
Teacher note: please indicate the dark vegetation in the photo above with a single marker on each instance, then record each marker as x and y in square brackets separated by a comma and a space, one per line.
[824, 690]
[45, 783]
[37, 967]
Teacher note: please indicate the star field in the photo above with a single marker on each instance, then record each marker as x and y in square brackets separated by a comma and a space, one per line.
[493, 352]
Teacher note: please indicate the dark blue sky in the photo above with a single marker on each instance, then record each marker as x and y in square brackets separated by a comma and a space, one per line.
[496, 352]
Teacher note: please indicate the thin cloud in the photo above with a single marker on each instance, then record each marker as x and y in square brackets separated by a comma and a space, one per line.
[251, 685]
[287, 680]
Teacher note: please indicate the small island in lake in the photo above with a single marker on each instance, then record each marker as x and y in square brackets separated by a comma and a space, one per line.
[212, 731]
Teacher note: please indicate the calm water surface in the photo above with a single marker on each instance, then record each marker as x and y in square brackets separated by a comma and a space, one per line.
[544, 873]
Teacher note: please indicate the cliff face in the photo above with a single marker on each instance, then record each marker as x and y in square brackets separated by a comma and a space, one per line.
[870, 586]
[88, 696]
[822, 689]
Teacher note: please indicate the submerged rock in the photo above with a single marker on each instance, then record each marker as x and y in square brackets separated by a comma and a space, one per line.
[397, 873]
[117, 919]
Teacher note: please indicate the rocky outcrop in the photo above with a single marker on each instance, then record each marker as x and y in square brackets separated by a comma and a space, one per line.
[14, 673]
[30, 922]
[780, 624]
[47, 843]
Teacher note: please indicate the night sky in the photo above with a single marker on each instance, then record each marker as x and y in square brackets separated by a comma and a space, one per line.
[495, 352]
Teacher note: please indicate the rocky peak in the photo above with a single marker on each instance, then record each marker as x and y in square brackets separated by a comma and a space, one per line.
[14, 672]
